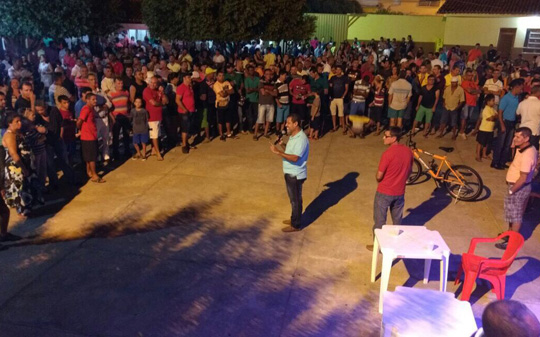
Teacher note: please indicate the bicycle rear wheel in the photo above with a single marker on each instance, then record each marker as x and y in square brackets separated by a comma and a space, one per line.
[416, 171]
[472, 185]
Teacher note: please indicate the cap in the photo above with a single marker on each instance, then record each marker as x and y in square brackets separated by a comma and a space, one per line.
[403, 60]
[209, 71]
[455, 79]
[195, 74]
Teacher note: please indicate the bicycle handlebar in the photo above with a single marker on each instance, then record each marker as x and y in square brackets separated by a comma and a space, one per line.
[410, 142]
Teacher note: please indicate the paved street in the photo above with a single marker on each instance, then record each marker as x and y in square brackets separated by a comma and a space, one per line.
[192, 246]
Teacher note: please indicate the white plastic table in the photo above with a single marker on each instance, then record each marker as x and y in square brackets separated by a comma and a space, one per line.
[410, 312]
[408, 242]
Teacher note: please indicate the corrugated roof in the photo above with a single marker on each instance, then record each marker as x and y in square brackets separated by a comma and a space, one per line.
[504, 7]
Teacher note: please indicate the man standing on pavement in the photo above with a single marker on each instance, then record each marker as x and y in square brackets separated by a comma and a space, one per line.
[294, 159]
[89, 135]
[507, 123]
[185, 100]
[454, 100]
[399, 95]
[155, 99]
[518, 178]
[529, 110]
[394, 169]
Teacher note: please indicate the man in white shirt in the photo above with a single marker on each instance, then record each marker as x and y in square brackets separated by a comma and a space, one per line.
[218, 59]
[107, 83]
[529, 110]
[494, 86]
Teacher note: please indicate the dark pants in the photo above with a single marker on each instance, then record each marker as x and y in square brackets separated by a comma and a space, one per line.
[294, 189]
[170, 121]
[252, 110]
[300, 109]
[501, 144]
[122, 123]
[211, 118]
[58, 149]
[382, 203]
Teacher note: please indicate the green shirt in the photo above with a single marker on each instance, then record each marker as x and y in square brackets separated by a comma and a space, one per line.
[318, 86]
[252, 83]
[235, 78]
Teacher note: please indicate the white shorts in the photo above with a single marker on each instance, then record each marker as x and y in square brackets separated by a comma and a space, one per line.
[266, 113]
[155, 129]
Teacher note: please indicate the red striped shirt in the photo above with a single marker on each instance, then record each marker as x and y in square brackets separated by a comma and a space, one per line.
[120, 100]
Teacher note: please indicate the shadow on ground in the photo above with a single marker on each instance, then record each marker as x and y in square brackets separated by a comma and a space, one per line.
[185, 273]
[334, 193]
[423, 213]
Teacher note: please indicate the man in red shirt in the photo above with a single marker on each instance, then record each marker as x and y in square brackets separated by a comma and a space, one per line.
[89, 144]
[155, 99]
[473, 56]
[394, 169]
[185, 100]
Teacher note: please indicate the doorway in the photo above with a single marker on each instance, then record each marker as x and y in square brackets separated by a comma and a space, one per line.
[507, 36]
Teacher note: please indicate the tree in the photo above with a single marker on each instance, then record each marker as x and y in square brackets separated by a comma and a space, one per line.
[227, 20]
[38, 19]
[334, 6]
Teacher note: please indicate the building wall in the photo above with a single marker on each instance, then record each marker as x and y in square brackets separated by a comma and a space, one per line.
[486, 29]
[422, 28]
[410, 7]
[331, 26]
[465, 31]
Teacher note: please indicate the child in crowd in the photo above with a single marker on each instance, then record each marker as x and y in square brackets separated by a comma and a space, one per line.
[315, 123]
[485, 134]
[139, 116]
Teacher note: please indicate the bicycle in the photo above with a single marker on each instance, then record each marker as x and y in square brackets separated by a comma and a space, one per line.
[461, 181]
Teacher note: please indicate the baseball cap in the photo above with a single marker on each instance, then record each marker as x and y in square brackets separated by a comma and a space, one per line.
[209, 71]
[403, 60]
[195, 74]
[455, 79]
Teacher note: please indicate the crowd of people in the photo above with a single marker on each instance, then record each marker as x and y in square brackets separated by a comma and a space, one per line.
[68, 103]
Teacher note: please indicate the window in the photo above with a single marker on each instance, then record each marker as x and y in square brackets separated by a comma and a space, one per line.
[532, 41]
[429, 3]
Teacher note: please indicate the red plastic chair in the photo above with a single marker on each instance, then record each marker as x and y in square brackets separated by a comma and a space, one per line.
[492, 270]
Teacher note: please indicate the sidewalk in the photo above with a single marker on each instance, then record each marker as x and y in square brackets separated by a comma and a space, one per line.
[192, 246]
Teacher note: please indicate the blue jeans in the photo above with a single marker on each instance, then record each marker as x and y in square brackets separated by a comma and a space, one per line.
[382, 203]
[358, 108]
[294, 189]
[501, 144]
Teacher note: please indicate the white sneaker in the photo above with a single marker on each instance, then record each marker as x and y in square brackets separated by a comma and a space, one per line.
[463, 135]
[106, 157]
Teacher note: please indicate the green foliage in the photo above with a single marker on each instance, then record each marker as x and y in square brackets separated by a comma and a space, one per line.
[334, 6]
[58, 18]
[227, 20]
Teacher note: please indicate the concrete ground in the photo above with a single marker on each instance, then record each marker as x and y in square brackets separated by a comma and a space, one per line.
[192, 246]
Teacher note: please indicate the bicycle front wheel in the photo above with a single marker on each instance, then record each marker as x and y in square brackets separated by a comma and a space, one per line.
[470, 187]
[416, 171]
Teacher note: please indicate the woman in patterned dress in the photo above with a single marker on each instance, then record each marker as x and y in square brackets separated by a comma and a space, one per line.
[17, 167]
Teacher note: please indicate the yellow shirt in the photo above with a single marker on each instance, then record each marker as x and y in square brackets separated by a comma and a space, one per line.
[219, 87]
[174, 67]
[188, 59]
[423, 81]
[269, 60]
[448, 79]
[524, 161]
[452, 100]
[488, 126]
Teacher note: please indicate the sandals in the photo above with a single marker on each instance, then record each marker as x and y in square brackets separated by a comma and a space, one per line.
[98, 181]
